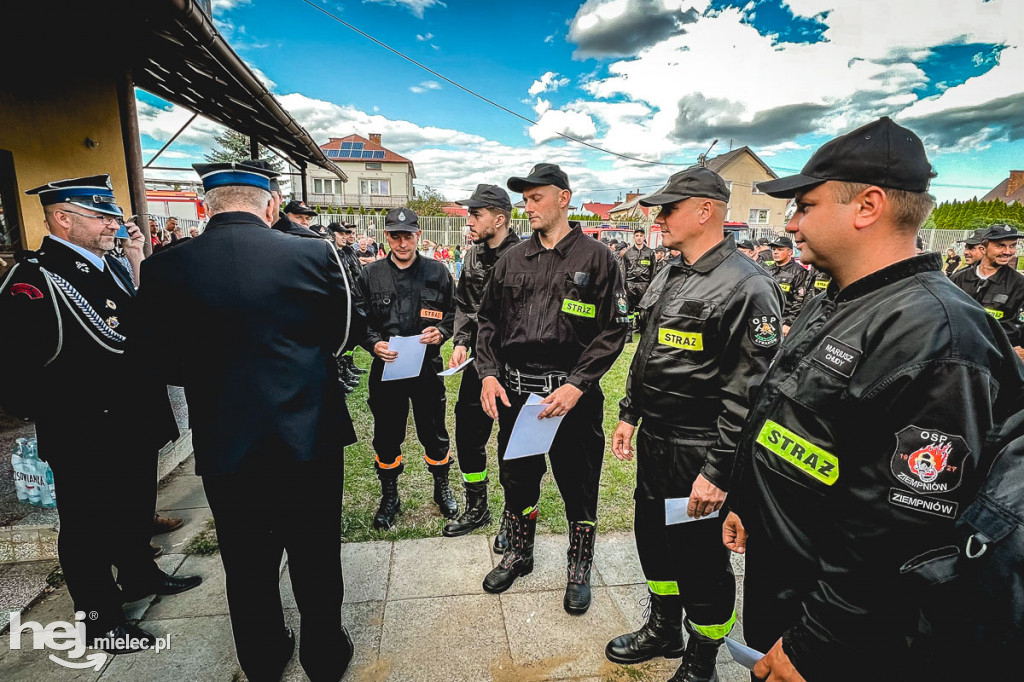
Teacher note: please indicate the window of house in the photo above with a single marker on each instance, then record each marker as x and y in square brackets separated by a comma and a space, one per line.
[326, 186]
[375, 187]
[758, 216]
[373, 166]
[10, 229]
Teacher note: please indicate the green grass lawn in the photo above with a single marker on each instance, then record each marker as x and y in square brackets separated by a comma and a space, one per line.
[420, 517]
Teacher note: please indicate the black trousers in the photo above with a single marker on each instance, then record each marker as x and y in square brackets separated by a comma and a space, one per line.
[305, 521]
[105, 502]
[687, 559]
[472, 427]
[389, 403]
[576, 457]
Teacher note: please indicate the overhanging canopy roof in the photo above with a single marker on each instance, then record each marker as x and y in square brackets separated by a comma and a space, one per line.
[182, 58]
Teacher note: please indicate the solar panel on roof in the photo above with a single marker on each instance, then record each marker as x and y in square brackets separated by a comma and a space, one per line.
[367, 155]
[357, 145]
[378, 155]
[346, 145]
[333, 153]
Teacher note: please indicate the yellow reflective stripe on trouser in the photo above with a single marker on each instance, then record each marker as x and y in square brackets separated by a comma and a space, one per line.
[715, 631]
[663, 587]
[799, 452]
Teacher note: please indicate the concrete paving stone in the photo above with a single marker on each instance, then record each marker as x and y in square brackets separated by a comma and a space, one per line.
[616, 560]
[182, 489]
[547, 643]
[17, 592]
[6, 551]
[32, 665]
[364, 566]
[363, 621]
[549, 565]
[200, 649]
[439, 567]
[209, 599]
[425, 640]
[39, 516]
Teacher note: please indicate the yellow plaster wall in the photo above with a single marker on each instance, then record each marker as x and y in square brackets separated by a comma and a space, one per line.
[45, 129]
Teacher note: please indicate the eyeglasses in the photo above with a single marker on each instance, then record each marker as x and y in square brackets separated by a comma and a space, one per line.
[104, 219]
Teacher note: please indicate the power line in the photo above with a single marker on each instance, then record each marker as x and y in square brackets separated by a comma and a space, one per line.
[426, 68]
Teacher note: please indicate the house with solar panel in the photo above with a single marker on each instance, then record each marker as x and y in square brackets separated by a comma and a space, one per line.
[377, 177]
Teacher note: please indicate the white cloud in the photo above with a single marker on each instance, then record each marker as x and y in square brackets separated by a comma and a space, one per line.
[417, 7]
[554, 121]
[549, 82]
[424, 86]
[424, 37]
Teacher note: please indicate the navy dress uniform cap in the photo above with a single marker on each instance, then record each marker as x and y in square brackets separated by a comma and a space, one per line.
[234, 173]
[265, 165]
[93, 192]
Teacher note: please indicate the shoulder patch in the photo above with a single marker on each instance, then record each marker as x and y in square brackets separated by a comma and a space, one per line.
[764, 330]
[929, 462]
[26, 289]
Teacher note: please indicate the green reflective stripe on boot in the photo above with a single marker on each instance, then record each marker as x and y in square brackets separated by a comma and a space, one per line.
[475, 478]
[715, 631]
[588, 523]
[664, 587]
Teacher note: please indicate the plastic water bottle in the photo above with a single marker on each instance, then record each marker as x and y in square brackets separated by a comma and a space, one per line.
[17, 464]
[50, 488]
[46, 485]
[30, 465]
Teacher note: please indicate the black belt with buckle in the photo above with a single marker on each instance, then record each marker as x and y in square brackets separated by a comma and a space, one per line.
[522, 383]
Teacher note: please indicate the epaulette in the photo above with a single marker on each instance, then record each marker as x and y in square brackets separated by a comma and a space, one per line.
[26, 256]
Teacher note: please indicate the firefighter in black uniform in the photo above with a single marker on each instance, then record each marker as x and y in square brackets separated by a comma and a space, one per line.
[552, 321]
[65, 309]
[489, 213]
[296, 219]
[712, 323]
[995, 283]
[407, 295]
[638, 267]
[763, 254]
[344, 235]
[865, 440]
[791, 277]
[817, 281]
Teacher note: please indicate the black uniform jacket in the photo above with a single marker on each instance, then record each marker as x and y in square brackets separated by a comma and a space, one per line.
[710, 330]
[285, 224]
[793, 279]
[400, 302]
[349, 260]
[862, 446]
[252, 317]
[817, 281]
[639, 265]
[469, 291]
[1001, 295]
[65, 323]
[560, 309]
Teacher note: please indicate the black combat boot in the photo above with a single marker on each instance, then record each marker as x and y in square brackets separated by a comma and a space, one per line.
[476, 515]
[390, 505]
[662, 635]
[581, 560]
[518, 557]
[351, 363]
[443, 497]
[501, 539]
[699, 659]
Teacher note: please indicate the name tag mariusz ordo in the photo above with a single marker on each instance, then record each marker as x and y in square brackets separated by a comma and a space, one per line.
[799, 452]
[577, 308]
[432, 314]
[683, 340]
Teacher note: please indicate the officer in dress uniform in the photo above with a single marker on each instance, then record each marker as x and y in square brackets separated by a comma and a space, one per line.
[552, 321]
[791, 277]
[66, 308]
[406, 294]
[257, 317]
[489, 213]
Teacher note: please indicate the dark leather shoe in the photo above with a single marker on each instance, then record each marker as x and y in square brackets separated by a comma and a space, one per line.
[165, 524]
[157, 550]
[124, 639]
[169, 584]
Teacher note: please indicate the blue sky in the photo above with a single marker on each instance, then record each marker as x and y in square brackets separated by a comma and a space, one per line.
[658, 80]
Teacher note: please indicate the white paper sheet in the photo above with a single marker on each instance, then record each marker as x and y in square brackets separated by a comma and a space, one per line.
[456, 369]
[532, 436]
[409, 361]
[743, 654]
[675, 511]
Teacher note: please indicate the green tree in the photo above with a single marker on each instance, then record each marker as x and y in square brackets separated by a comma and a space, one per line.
[234, 146]
[429, 202]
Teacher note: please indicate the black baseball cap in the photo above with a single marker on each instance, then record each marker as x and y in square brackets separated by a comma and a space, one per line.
[746, 244]
[763, 241]
[488, 195]
[640, 230]
[880, 153]
[296, 207]
[976, 237]
[541, 174]
[696, 181]
[335, 227]
[999, 231]
[784, 242]
[401, 220]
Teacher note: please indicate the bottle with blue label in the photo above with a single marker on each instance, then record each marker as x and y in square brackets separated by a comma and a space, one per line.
[30, 466]
[18, 466]
[51, 491]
